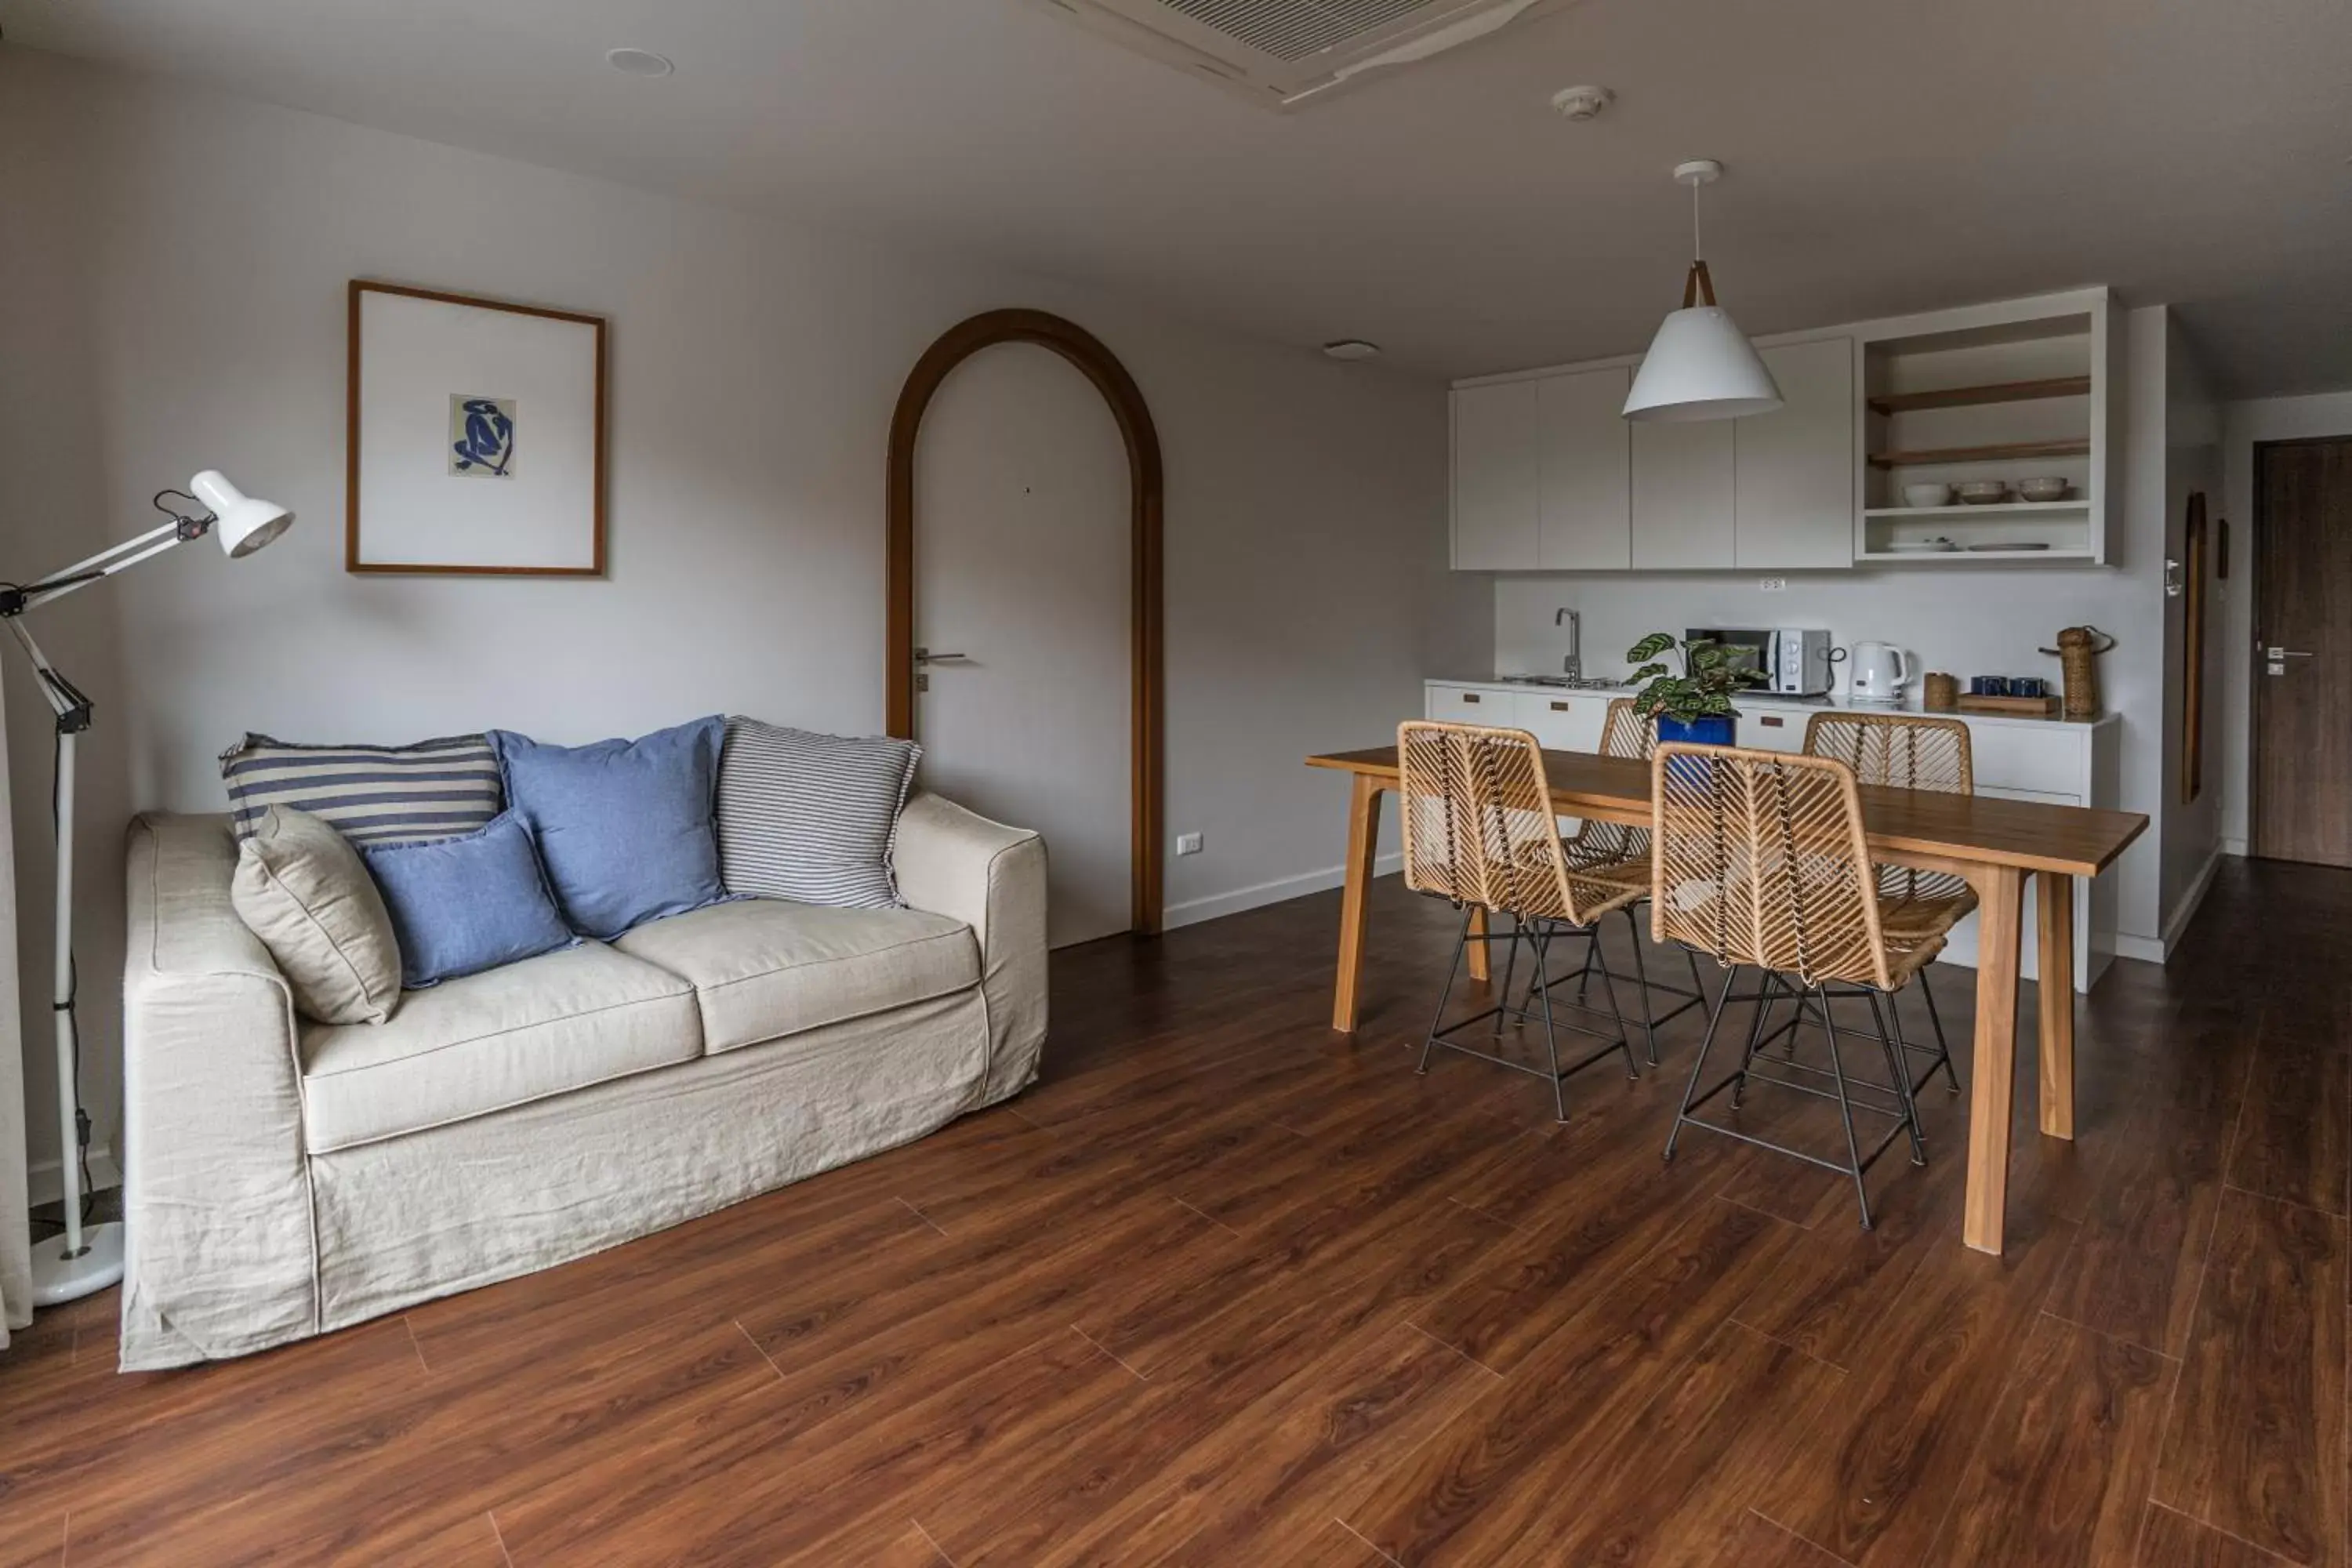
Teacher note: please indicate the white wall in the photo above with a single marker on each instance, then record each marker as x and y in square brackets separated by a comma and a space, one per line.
[171, 295]
[1966, 620]
[2243, 425]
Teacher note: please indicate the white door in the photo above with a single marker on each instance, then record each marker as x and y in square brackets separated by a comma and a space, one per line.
[1021, 523]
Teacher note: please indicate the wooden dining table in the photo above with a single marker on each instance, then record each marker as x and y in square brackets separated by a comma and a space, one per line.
[1993, 843]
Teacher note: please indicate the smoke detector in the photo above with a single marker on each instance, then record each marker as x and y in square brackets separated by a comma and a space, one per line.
[1582, 102]
[638, 62]
[1352, 349]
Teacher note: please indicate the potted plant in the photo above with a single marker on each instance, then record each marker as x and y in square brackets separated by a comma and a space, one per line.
[1695, 705]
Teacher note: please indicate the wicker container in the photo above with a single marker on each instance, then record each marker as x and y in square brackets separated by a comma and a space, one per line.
[2077, 652]
[1943, 694]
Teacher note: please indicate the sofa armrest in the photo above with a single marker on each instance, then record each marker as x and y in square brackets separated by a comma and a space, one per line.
[221, 1252]
[955, 862]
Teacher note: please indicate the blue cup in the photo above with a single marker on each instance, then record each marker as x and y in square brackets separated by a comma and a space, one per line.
[1989, 685]
[2028, 686]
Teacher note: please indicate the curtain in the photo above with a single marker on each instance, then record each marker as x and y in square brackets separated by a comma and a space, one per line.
[16, 1229]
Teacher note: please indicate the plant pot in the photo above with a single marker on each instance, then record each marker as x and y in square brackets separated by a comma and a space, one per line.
[1717, 731]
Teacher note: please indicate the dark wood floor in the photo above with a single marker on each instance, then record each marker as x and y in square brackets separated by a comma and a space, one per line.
[1228, 1289]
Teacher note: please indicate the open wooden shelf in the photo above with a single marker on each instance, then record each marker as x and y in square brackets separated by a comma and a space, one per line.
[1965, 396]
[2080, 448]
[1990, 511]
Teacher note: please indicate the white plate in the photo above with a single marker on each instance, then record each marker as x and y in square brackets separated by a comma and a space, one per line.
[1920, 547]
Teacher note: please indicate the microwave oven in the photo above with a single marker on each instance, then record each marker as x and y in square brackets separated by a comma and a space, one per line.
[1794, 660]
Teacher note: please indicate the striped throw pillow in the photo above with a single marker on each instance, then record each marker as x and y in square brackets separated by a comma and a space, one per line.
[373, 795]
[811, 817]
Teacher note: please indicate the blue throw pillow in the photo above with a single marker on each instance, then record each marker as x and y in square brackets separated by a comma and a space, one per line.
[459, 906]
[624, 828]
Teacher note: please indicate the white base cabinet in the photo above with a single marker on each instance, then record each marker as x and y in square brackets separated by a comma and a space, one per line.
[2019, 759]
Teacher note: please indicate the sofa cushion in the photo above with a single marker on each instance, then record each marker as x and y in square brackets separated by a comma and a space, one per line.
[762, 968]
[301, 890]
[811, 817]
[460, 906]
[373, 795]
[623, 827]
[484, 1042]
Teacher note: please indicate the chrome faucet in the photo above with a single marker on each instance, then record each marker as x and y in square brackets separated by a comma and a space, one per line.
[1573, 665]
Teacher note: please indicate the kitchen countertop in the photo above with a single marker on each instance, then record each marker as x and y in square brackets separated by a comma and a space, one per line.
[1837, 703]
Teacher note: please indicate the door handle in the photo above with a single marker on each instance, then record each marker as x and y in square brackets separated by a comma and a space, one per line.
[2286, 653]
[925, 656]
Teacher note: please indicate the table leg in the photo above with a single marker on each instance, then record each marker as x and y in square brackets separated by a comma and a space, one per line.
[1477, 948]
[2001, 896]
[2054, 940]
[1355, 909]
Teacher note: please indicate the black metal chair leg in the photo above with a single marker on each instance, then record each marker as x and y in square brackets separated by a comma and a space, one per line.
[1445, 993]
[1890, 1041]
[1584, 976]
[1641, 979]
[1510, 967]
[1690, 1088]
[1845, 1106]
[1943, 1045]
[1551, 1041]
[1625, 1037]
[1767, 982]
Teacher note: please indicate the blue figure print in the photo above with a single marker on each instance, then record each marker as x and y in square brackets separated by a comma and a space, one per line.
[484, 428]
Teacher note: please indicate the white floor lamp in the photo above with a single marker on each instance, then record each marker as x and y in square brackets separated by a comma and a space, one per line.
[88, 1258]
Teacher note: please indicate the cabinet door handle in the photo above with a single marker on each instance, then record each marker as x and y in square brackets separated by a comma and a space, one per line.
[1771, 721]
[1559, 707]
[1469, 696]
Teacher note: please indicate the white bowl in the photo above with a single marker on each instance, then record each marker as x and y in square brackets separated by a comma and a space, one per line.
[2042, 489]
[1983, 492]
[1927, 495]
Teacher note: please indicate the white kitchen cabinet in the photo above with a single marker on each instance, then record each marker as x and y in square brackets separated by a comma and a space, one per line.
[1793, 468]
[1470, 704]
[1682, 493]
[1585, 477]
[1562, 721]
[1497, 478]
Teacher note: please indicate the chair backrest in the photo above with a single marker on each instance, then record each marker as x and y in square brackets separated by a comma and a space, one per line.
[1905, 750]
[1625, 734]
[1477, 819]
[1759, 857]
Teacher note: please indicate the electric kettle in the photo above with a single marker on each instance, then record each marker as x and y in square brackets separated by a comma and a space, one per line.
[1876, 673]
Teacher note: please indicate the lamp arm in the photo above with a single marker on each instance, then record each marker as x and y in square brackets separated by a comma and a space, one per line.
[15, 601]
[65, 699]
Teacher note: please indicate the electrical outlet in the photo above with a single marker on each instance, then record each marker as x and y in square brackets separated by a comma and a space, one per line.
[1188, 844]
[1773, 584]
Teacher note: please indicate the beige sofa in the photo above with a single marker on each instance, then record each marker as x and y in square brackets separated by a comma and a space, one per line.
[285, 1177]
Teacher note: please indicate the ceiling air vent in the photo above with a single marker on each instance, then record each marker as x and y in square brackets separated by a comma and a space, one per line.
[1285, 53]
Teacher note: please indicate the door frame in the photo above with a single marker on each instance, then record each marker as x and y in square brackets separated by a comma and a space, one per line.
[1100, 367]
[2257, 565]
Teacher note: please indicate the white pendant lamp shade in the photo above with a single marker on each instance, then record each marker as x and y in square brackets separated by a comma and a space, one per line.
[1700, 365]
[244, 522]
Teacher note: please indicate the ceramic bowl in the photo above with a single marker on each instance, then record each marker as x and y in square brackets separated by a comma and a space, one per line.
[2042, 489]
[1927, 495]
[1983, 492]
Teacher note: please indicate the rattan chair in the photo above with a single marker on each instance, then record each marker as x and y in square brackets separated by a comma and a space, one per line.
[1479, 831]
[1620, 852]
[1909, 752]
[1759, 859]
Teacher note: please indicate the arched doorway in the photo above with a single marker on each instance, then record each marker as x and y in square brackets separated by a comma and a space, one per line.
[1100, 367]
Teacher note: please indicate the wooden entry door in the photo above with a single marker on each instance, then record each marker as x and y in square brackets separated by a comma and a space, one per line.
[2302, 794]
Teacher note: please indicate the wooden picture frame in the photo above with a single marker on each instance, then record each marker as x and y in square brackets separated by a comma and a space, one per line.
[417, 503]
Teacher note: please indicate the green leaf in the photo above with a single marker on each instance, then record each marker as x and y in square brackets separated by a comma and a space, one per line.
[1646, 671]
[1649, 648]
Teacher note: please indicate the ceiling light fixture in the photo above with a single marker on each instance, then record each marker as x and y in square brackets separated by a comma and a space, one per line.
[1352, 348]
[1700, 365]
[1582, 102]
[638, 62]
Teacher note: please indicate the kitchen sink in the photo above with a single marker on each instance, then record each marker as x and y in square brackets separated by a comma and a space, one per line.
[1566, 682]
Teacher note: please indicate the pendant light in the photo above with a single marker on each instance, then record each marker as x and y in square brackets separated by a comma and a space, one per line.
[1700, 365]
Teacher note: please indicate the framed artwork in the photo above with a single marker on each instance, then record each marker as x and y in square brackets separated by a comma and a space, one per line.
[475, 437]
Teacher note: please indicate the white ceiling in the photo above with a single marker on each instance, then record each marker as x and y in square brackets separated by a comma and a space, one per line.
[1884, 155]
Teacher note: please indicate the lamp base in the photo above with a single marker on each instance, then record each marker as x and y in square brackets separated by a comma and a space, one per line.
[58, 1279]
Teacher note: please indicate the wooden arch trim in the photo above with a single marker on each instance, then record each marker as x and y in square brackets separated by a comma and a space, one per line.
[1102, 367]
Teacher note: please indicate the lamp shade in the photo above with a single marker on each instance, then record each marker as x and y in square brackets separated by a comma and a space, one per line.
[1701, 366]
[244, 522]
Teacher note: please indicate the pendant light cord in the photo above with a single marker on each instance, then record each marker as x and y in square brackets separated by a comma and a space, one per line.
[1697, 254]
